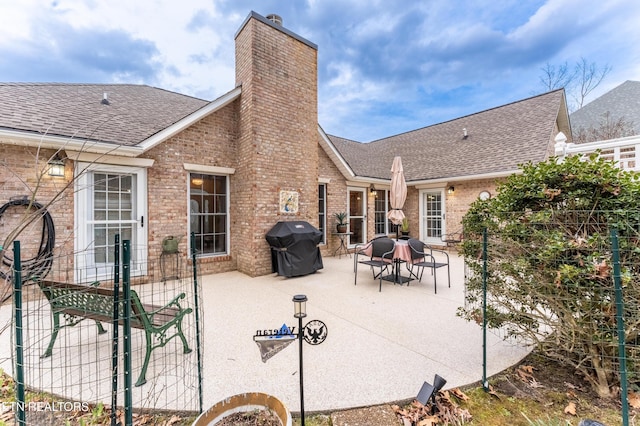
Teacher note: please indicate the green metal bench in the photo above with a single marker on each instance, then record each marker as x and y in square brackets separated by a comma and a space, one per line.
[77, 302]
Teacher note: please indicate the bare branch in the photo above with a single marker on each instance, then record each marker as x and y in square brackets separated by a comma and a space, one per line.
[590, 76]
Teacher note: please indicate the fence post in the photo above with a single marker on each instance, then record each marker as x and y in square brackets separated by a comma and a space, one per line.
[17, 301]
[485, 383]
[116, 327]
[126, 285]
[195, 292]
[622, 356]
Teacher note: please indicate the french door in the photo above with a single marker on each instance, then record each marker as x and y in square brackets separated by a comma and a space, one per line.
[357, 215]
[432, 216]
[110, 200]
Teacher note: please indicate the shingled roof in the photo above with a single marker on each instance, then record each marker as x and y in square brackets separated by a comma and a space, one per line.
[498, 140]
[133, 113]
[622, 101]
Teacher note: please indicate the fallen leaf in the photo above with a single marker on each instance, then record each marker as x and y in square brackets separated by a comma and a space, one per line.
[528, 368]
[525, 372]
[493, 393]
[570, 409]
[459, 394]
[634, 399]
[429, 421]
[602, 269]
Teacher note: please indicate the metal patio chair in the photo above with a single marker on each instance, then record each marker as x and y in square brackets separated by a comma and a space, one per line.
[422, 257]
[381, 257]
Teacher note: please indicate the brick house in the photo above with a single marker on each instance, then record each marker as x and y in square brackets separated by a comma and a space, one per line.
[148, 163]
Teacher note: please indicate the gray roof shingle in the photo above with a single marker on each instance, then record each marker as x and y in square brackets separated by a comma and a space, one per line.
[499, 139]
[622, 101]
[134, 112]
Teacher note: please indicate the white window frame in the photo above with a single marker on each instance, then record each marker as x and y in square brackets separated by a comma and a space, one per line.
[443, 205]
[387, 224]
[85, 268]
[322, 215]
[364, 192]
[227, 212]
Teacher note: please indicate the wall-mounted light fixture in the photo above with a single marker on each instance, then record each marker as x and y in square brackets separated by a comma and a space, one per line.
[372, 189]
[56, 166]
[451, 189]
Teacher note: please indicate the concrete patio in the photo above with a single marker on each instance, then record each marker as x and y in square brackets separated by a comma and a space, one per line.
[381, 346]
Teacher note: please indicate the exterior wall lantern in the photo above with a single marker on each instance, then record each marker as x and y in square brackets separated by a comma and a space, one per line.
[451, 189]
[55, 166]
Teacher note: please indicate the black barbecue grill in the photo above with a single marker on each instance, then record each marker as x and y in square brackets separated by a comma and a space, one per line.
[294, 248]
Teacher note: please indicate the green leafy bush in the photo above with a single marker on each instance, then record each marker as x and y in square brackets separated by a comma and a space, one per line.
[549, 274]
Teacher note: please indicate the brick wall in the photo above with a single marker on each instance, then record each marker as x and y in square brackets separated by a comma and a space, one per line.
[336, 196]
[23, 172]
[210, 142]
[277, 148]
[458, 203]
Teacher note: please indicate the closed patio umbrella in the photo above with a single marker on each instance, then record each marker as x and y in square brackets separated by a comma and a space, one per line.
[398, 193]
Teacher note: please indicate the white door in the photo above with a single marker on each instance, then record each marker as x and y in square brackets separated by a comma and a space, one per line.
[357, 215]
[432, 215]
[109, 200]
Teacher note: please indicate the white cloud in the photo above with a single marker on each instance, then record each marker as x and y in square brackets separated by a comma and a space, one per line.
[420, 59]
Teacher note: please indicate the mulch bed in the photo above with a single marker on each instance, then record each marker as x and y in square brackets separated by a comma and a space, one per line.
[251, 418]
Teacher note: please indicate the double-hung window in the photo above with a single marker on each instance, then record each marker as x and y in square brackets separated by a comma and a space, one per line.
[383, 226]
[322, 211]
[209, 213]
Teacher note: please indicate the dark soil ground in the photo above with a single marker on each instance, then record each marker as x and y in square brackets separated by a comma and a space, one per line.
[537, 392]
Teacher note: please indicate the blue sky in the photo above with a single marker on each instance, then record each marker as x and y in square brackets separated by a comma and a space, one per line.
[384, 66]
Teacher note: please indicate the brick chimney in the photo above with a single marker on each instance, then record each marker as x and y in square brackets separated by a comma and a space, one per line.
[278, 145]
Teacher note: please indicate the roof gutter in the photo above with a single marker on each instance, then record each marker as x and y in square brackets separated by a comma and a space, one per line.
[495, 175]
[31, 139]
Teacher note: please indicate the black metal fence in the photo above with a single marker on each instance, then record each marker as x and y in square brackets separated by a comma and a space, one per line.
[129, 338]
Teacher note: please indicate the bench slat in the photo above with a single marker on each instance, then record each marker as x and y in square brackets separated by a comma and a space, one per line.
[82, 301]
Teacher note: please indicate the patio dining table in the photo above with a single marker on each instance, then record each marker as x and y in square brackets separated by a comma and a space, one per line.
[401, 253]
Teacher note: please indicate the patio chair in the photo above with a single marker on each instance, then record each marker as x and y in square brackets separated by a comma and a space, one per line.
[359, 250]
[422, 257]
[381, 257]
[452, 239]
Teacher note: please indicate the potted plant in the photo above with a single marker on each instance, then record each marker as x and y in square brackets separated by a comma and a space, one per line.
[405, 226]
[341, 217]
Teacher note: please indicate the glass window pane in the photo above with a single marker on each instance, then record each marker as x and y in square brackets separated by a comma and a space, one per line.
[126, 183]
[99, 182]
[100, 236]
[100, 255]
[221, 204]
[208, 212]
